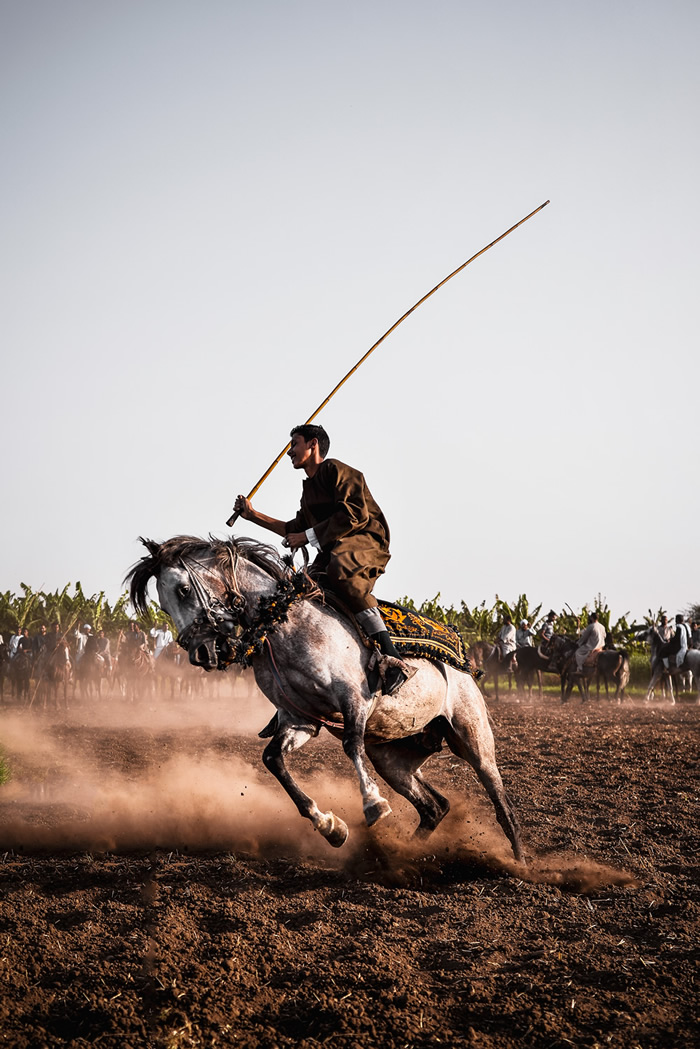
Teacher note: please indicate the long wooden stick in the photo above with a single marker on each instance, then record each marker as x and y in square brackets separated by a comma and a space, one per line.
[233, 518]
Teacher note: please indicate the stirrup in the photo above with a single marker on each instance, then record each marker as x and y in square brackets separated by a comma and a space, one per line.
[394, 674]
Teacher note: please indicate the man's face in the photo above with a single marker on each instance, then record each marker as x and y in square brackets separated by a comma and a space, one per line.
[300, 451]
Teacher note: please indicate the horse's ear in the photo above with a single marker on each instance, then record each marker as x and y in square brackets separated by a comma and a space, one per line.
[152, 547]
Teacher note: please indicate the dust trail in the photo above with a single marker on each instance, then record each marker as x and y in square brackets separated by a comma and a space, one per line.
[468, 845]
[65, 798]
[207, 803]
[101, 795]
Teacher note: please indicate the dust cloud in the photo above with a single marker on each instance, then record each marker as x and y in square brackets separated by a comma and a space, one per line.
[186, 775]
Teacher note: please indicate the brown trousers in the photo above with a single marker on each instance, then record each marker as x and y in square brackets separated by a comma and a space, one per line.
[350, 570]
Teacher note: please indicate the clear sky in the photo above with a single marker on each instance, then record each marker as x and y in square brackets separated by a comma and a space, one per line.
[210, 211]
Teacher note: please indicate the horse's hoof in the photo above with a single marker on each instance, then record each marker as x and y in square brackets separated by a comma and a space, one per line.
[338, 833]
[376, 812]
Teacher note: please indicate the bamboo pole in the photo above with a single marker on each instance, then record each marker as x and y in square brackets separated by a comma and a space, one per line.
[234, 517]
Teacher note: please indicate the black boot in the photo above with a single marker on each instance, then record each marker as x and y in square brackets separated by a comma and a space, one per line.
[394, 672]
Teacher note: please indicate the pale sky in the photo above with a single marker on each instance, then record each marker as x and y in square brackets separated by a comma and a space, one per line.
[211, 210]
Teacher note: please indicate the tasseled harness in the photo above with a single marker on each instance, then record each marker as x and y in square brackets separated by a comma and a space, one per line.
[239, 637]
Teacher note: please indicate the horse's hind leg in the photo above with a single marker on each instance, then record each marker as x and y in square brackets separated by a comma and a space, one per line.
[398, 763]
[469, 736]
[287, 739]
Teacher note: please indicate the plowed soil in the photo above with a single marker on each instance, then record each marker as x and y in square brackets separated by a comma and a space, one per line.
[158, 889]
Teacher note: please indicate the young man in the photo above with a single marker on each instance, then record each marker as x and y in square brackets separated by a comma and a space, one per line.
[591, 639]
[162, 637]
[524, 635]
[506, 642]
[340, 519]
[678, 645]
[547, 632]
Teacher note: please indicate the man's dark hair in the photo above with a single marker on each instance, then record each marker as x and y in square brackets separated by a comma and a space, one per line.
[309, 431]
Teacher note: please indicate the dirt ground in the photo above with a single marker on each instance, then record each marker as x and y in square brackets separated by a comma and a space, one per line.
[157, 887]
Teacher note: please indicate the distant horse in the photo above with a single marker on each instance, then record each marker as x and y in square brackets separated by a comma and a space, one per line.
[531, 664]
[20, 674]
[135, 671]
[4, 668]
[91, 672]
[613, 667]
[54, 675]
[487, 657]
[563, 661]
[236, 601]
[170, 670]
[690, 664]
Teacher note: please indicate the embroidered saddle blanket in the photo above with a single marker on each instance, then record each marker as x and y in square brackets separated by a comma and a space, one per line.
[416, 635]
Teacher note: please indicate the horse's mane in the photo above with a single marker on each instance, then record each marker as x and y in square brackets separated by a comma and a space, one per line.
[224, 552]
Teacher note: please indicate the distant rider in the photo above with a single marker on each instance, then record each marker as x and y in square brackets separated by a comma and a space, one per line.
[678, 645]
[506, 643]
[591, 641]
[547, 632]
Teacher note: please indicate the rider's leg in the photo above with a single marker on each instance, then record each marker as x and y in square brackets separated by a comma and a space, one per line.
[371, 621]
[354, 584]
[395, 672]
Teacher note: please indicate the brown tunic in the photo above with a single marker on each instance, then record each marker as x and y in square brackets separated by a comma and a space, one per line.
[350, 528]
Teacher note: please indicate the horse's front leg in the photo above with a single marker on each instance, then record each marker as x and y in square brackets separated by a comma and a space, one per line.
[287, 738]
[374, 806]
[656, 676]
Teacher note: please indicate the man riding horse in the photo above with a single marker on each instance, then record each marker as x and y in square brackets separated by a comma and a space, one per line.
[590, 644]
[677, 645]
[339, 517]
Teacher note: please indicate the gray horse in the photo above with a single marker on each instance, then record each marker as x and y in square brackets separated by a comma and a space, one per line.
[659, 670]
[315, 668]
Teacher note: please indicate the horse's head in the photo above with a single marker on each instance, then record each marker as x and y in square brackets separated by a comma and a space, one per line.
[562, 648]
[199, 587]
[650, 635]
[196, 592]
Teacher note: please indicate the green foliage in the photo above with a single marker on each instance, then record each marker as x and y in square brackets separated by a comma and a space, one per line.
[30, 609]
[518, 611]
[5, 771]
[482, 623]
[477, 624]
[16, 613]
[640, 669]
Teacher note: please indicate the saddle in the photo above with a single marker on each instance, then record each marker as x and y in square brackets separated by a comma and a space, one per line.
[415, 635]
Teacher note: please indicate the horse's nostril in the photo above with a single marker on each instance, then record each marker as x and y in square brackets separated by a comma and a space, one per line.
[204, 656]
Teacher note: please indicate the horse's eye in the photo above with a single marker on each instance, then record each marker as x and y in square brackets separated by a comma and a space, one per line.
[183, 590]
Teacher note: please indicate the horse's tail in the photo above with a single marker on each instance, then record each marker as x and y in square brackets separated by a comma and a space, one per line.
[623, 670]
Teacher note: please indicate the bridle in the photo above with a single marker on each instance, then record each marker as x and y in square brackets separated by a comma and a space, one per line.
[225, 626]
[217, 620]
